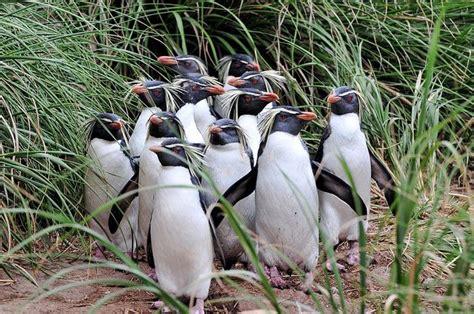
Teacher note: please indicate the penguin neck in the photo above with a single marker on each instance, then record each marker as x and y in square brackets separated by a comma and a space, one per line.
[347, 124]
[250, 125]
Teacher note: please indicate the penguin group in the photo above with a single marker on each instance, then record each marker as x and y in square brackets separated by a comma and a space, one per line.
[197, 135]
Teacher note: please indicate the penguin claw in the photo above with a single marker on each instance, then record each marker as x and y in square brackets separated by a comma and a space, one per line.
[353, 259]
[275, 277]
[340, 267]
[152, 275]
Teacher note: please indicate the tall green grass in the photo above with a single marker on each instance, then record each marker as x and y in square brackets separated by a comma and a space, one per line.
[60, 63]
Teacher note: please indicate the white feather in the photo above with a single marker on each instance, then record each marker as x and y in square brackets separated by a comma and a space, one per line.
[140, 132]
[346, 141]
[228, 163]
[186, 116]
[203, 118]
[181, 237]
[287, 203]
[109, 172]
[250, 126]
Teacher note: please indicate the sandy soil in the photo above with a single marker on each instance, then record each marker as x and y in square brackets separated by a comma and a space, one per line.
[223, 297]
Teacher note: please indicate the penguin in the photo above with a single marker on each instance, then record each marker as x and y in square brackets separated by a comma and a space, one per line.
[111, 173]
[196, 114]
[286, 195]
[265, 81]
[236, 65]
[243, 105]
[185, 65]
[343, 139]
[157, 96]
[180, 233]
[228, 158]
[161, 126]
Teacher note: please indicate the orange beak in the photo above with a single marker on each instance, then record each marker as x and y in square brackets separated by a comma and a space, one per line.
[332, 99]
[269, 97]
[116, 125]
[167, 60]
[306, 116]
[235, 81]
[215, 130]
[156, 148]
[253, 66]
[155, 120]
[216, 89]
[139, 89]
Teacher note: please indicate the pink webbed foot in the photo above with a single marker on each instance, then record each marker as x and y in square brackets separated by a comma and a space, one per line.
[99, 252]
[275, 277]
[158, 305]
[353, 257]
[198, 308]
[152, 275]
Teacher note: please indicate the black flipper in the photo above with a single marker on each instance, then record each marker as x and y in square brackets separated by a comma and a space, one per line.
[319, 154]
[328, 182]
[384, 180]
[237, 191]
[149, 249]
[119, 208]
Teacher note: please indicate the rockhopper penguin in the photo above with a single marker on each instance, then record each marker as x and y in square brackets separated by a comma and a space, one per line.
[343, 139]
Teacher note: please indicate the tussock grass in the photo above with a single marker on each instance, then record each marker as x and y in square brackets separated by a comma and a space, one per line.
[60, 63]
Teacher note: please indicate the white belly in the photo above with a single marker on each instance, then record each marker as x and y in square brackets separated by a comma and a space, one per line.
[181, 237]
[287, 202]
[203, 118]
[149, 170]
[228, 163]
[250, 126]
[140, 132]
[108, 173]
[186, 116]
[346, 142]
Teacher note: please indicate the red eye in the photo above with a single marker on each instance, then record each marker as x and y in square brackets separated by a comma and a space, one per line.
[349, 98]
[247, 98]
[156, 92]
[283, 117]
[254, 81]
[196, 87]
[187, 64]
[175, 150]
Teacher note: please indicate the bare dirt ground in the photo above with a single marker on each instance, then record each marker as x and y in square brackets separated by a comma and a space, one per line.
[15, 293]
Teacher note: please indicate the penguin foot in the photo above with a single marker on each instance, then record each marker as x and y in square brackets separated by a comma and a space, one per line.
[152, 275]
[99, 252]
[157, 305]
[307, 285]
[198, 308]
[275, 277]
[340, 267]
[353, 257]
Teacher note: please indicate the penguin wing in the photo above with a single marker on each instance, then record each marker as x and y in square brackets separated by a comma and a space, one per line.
[119, 208]
[149, 249]
[319, 153]
[384, 179]
[328, 182]
[237, 191]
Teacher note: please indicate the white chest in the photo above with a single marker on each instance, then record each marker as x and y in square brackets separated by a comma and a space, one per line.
[138, 137]
[186, 116]
[250, 126]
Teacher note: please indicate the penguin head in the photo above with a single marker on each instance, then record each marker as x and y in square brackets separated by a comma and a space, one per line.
[165, 124]
[177, 153]
[252, 101]
[199, 87]
[224, 131]
[250, 79]
[284, 119]
[184, 64]
[107, 126]
[344, 100]
[236, 65]
[151, 93]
